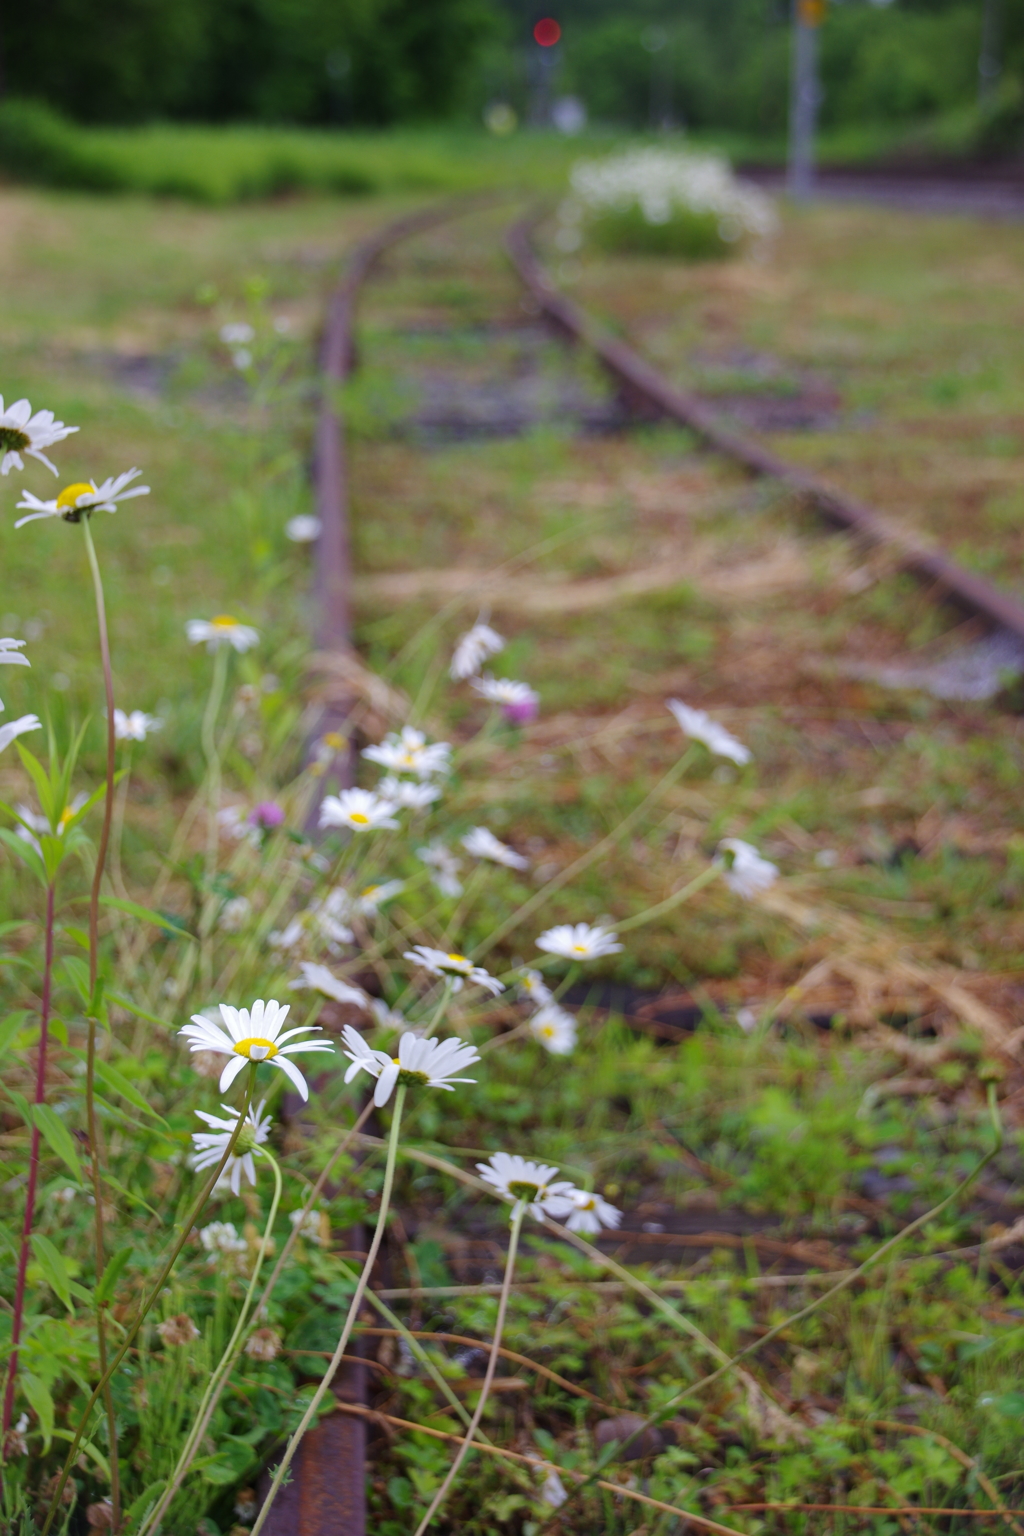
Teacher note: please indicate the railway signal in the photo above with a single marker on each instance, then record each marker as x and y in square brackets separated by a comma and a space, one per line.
[805, 96]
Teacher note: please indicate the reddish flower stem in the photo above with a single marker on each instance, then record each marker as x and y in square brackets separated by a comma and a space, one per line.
[33, 1168]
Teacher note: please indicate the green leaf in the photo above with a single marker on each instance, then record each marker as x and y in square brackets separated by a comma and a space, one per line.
[108, 1178]
[90, 1450]
[78, 974]
[11, 1028]
[52, 1127]
[41, 779]
[24, 852]
[55, 1271]
[38, 1394]
[147, 915]
[143, 1504]
[119, 1084]
[111, 1275]
[140, 1013]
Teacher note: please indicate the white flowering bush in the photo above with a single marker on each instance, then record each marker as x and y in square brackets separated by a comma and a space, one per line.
[669, 202]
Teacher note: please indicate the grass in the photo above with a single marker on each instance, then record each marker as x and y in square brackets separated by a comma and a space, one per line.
[863, 1101]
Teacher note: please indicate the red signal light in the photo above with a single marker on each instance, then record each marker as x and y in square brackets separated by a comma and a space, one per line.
[547, 32]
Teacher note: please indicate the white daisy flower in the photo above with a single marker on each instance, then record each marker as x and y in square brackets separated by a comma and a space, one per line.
[553, 1491]
[554, 1029]
[33, 822]
[527, 1184]
[444, 867]
[532, 985]
[579, 941]
[358, 809]
[136, 726]
[320, 979]
[21, 432]
[473, 649]
[506, 692]
[320, 923]
[408, 794]
[253, 1035]
[743, 869]
[222, 630]
[237, 333]
[234, 914]
[699, 725]
[304, 529]
[222, 1237]
[590, 1213]
[83, 499]
[15, 728]
[209, 1145]
[408, 751]
[10, 652]
[456, 969]
[372, 897]
[429, 1063]
[482, 844]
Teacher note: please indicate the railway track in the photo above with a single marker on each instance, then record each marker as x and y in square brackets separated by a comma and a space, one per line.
[327, 1497]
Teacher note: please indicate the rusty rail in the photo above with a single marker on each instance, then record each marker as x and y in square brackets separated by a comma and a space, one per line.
[641, 381]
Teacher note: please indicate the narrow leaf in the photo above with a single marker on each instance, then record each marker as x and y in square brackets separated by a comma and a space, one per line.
[90, 1450]
[140, 1013]
[11, 1028]
[55, 1271]
[119, 1084]
[146, 915]
[38, 1394]
[24, 852]
[52, 1127]
[111, 1275]
[78, 972]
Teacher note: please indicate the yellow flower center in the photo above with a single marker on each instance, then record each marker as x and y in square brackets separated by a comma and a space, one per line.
[587, 1205]
[65, 816]
[224, 621]
[547, 1030]
[332, 739]
[359, 818]
[579, 949]
[68, 498]
[13, 441]
[458, 959]
[256, 1048]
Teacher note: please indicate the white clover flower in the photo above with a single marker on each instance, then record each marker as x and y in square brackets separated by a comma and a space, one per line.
[304, 529]
[209, 1145]
[531, 985]
[579, 941]
[21, 432]
[408, 751]
[222, 630]
[505, 691]
[444, 867]
[481, 843]
[253, 1035]
[10, 652]
[388, 1018]
[428, 1063]
[237, 333]
[743, 869]
[309, 1225]
[320, 979]
[15, 728]
[455, 968]
[699, 725]
[473, 649]
[409, 794]
[83, 499]
[222, 1237]
[136, 726]
[234, 914]
[554, 1028]
[528, 1185]
[358, 809]
[590, 1213]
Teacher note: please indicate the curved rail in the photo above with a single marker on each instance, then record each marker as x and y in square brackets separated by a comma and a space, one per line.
[641, 381]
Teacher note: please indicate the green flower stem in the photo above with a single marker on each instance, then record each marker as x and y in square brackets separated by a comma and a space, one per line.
[90, 1073]
[147, 1305]
[440, 1010]
[677, 898]
[219, 1378]
[350, 1321]
[519, 1211]
[585, 860]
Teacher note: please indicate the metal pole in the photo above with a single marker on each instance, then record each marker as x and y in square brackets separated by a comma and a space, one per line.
[804, 97]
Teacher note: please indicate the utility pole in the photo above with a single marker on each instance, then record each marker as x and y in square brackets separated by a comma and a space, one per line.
[988, 58]
[804, 97]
